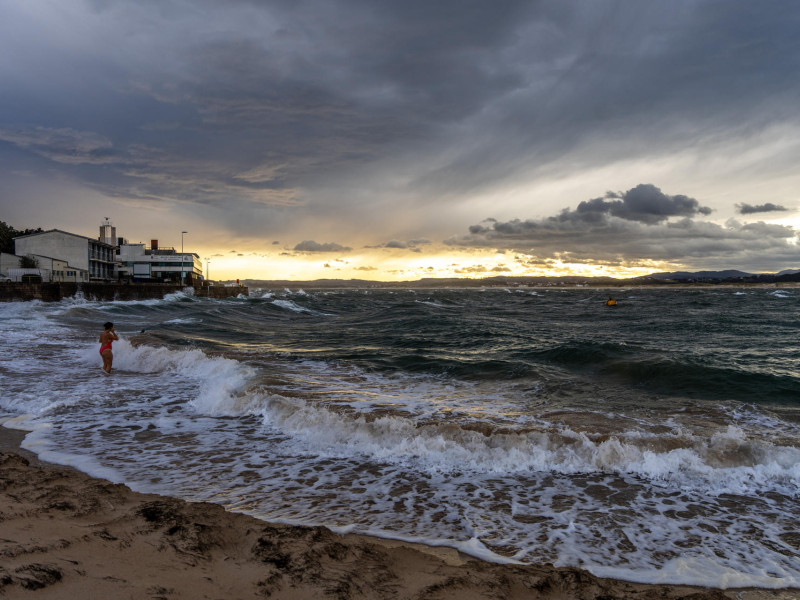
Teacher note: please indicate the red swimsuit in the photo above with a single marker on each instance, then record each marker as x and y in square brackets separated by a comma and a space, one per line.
[105, 347]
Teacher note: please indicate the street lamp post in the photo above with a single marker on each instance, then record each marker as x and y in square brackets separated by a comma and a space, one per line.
[183, 278]
[208, 262]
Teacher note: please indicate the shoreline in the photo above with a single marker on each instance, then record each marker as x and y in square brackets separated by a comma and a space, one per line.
[66, 534]
[108, 292]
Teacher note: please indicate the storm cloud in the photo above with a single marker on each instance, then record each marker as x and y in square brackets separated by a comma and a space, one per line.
[63, 145]
[636, 227]
[393, 121]
[749, 209]
[412, 245]
[312, 246]
[644, 203]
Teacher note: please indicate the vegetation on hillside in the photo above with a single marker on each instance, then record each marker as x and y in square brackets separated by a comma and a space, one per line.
[8, 233]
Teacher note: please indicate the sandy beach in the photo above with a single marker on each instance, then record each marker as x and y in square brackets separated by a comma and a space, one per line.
[66, 535]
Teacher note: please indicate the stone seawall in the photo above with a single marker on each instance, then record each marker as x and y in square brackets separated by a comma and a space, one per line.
[54, 292]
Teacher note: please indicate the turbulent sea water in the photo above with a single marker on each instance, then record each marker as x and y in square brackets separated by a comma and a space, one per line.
[656, 441]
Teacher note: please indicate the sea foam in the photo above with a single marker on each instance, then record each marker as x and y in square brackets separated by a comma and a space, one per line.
[551, 467]
[727, 462]
[219, 380]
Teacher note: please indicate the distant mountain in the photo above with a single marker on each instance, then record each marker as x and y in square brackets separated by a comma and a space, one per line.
[432, 282]
[679, 275]
[729, 276]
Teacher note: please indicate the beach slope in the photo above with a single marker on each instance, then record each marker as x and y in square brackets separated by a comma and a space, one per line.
[66, 535]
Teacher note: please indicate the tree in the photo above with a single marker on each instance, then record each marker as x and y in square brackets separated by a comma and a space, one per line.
[8, 233]
[28, 262]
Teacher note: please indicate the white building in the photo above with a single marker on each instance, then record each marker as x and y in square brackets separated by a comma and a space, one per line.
[139, 263]
[77, 252]
[51, 270]
[8, 261]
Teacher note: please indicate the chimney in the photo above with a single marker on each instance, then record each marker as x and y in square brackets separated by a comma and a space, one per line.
[153, 244]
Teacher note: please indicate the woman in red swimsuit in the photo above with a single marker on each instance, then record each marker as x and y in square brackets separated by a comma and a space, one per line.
[108, 336]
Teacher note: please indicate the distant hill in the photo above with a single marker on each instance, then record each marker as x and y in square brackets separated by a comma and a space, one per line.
[730, 276]
[679, 275]
[727, 276]
[434, 282]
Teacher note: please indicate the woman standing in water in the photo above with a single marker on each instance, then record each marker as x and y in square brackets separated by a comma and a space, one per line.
[106, 338]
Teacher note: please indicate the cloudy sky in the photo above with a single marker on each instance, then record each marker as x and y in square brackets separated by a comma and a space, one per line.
[394, 140]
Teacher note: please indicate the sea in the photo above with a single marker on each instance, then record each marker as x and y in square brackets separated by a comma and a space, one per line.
[655, 441]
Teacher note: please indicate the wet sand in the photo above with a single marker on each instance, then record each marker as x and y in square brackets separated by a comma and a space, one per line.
[66, 535]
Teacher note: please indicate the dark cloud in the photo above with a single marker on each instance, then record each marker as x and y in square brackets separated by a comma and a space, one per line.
[483, 228]
[312, 246]
[749, 209]
[261, 90]
[645, 203]
[412, 245]
[63, 145]
[631, 79]
[259, 115]
[634, 227]
[248, 103]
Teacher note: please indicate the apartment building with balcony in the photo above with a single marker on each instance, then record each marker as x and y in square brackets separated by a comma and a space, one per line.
[80, 253]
